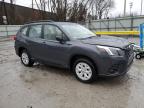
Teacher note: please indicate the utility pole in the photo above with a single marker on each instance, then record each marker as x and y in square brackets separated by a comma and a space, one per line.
[141, 6]
[124, 7]
[65, 11]
[32, 4]
[131, 5]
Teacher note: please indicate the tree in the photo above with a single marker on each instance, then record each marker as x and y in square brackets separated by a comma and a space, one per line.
[100, 8]
[12, 11]
[77, 11]
[74, 10]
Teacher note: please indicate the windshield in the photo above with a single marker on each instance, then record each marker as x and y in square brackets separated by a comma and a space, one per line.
[77, 31]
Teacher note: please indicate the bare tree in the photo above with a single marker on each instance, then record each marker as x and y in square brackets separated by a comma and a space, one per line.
[59, 7]
[100, 8]
[12, 11]
[68, 10]
[74, 10]
[78, 10]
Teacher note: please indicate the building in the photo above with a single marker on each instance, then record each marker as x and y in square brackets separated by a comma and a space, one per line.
[15, 14]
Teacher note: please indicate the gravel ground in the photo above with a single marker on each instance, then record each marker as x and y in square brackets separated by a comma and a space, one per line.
[48, 87]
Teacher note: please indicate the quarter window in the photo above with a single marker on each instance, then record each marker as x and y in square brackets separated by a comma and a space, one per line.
[35, 31]
[51, 31]
[24, 31]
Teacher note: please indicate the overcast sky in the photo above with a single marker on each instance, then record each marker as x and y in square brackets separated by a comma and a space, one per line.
[118, 9]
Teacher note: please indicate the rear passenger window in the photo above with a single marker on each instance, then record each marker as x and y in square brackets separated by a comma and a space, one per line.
[24, 31]
[35, 31]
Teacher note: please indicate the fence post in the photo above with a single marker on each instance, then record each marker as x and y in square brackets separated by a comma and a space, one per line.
[89, 24]
[100, 25]
[108, 25]
[6, 31]
[132, 23]
[115, 24]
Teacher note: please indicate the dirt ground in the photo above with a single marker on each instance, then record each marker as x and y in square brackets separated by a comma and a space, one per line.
[48, 87]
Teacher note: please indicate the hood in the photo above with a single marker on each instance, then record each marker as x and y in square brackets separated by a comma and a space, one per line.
[107, 41]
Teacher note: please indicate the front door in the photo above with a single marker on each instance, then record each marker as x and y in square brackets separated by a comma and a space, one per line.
[55, 52]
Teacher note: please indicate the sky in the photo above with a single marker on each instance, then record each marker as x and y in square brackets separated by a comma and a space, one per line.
[118, 8]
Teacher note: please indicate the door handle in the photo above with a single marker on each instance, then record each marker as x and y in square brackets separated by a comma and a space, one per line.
[43, 42]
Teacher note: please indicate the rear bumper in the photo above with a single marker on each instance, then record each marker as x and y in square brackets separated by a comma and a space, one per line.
[16, 50]
[115, 66]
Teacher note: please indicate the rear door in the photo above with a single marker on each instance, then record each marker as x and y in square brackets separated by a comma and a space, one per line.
[35, 41]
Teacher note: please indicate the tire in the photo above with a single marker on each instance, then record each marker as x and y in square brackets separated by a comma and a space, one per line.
[79, 68]
[26, 58]
[138, 56]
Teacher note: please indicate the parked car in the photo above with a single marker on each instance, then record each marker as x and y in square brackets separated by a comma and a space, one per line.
[72, 46]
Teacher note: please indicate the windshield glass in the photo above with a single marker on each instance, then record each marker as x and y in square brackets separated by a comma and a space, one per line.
[77, 31]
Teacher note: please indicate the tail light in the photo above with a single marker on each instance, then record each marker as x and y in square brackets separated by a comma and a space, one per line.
[13, 37]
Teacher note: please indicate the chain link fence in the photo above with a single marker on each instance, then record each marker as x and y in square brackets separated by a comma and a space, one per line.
[8, 30]
[115, 24]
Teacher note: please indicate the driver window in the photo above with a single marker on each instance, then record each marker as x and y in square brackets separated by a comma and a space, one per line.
[51, 31]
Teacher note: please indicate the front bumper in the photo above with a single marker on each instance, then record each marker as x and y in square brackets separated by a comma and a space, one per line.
[115, 66]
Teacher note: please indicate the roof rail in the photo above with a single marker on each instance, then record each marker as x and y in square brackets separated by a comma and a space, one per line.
[39, 21]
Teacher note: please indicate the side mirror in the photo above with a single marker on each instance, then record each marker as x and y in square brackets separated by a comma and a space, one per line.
[60, 39]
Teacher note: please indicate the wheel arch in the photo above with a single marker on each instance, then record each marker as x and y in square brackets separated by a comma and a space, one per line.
[20, 49]
[78, 56]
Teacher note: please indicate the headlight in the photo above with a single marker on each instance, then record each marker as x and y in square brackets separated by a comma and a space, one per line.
[111, 50]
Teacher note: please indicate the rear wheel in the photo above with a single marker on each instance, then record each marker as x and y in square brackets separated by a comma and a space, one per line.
[84, 70]
[26, 58]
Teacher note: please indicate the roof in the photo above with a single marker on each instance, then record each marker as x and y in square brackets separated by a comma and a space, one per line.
[48, 21]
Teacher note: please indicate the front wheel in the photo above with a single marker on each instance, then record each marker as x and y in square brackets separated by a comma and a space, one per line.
[138, 56]
[84, 70]
[26, 58]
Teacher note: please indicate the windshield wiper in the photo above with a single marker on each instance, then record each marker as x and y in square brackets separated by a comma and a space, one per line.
[88, 37]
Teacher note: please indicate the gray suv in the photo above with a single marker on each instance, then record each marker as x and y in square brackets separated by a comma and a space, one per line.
[72, 46]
